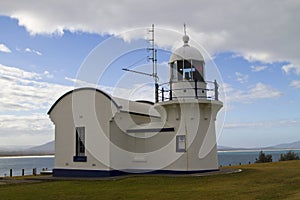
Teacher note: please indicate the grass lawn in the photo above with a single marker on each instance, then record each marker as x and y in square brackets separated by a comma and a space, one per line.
[280, 180]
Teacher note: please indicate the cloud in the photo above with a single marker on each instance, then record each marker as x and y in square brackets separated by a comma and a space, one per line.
[25, 91]
[254, 93]
[135, 92]
[242, 78]
[33, 122]
[280, 123]
[291, 68]
[24, 101]
[28, 50]
[295, 84]
[257, 56]
[262, 91]
[16, 73]
[258, 68]
[47, 74]
[20, 130]
[4, 48]
[265, 31]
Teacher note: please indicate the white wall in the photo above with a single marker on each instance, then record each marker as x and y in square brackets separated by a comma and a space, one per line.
[79, 109]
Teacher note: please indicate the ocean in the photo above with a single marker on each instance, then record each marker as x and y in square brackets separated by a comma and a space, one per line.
[227, 158]
[17, 163]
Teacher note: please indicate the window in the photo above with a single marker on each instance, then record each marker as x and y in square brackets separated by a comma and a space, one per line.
[198, 72]
[180, 143]
[80, 145]
[187, 70]
[173, 71]
[180, 69]
[80, 137]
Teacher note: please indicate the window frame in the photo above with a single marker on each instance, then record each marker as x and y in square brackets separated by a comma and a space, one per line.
[80, 149]
[180, 140]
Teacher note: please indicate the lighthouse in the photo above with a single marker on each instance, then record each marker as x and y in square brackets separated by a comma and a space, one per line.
[97, 134]
[191, 107]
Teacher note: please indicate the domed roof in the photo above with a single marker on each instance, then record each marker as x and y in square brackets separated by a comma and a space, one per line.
[186, 52]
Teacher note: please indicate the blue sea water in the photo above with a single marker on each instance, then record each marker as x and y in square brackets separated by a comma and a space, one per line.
[27, 163]
[227, 158]
[17, 163]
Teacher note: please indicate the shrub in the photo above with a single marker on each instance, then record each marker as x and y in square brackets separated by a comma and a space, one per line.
[262, 158]
[289, 156]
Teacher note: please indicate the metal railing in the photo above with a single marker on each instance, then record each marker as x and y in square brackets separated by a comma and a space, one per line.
[164, 91]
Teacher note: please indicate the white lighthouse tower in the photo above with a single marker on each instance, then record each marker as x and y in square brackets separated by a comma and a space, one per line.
[191, 107]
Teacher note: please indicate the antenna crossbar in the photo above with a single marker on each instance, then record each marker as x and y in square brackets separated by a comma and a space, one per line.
[138, 72]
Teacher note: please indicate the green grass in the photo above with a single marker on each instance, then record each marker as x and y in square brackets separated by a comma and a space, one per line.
[279, 180]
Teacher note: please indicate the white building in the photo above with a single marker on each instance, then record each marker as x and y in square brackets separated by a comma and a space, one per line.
[100, 135]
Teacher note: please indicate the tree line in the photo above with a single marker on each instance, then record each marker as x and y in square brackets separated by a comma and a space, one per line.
[263, 158]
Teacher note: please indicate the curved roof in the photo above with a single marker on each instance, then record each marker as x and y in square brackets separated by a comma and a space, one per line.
[85, 88]
[145, 101]
[186, 52]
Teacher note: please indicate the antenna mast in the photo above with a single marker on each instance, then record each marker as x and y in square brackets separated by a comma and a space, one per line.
[154, 63]
[153, 58]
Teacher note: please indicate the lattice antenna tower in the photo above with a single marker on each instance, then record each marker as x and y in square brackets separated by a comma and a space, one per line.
[153, 58]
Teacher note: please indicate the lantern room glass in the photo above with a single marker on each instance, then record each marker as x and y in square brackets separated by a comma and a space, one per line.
[189, 70]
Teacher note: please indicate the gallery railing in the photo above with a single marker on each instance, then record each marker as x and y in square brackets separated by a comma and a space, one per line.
[164, 91]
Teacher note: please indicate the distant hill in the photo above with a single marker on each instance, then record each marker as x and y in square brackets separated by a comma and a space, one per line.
[223, 147]
[293, 145]
[44, 148]
[226, 148]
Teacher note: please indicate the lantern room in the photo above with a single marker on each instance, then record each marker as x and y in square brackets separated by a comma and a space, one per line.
[186, 63]
[187, 77]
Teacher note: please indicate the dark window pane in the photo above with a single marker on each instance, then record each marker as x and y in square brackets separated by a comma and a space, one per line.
[80, 141]
[199, 71]
[180, 69]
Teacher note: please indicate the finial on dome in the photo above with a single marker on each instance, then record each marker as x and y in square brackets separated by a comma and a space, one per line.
[185, 38]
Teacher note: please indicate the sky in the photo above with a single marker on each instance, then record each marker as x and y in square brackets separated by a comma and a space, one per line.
[48, 47]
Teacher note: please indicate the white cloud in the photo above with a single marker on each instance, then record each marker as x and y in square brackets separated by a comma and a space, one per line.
[258, 68]
[262, 91]
[27, 98]
[280, 123]
[16, 73]
[28, 50]
[242, 78]
[25, 91]
[295, 84]
[4, 48]
[254, 93]
[291, 68]
[257, 56]
[33, 122]
[47, 74]
[253, 30]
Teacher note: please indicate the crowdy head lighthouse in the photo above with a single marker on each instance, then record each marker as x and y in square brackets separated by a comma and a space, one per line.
[99, 135]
